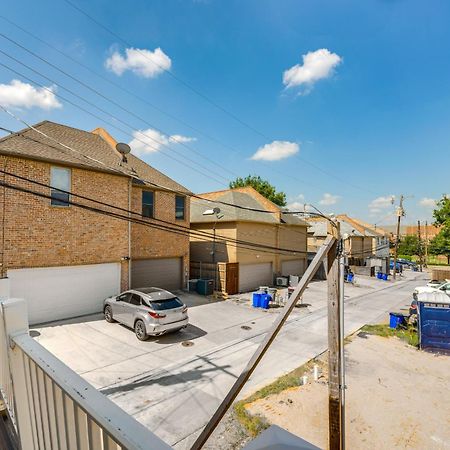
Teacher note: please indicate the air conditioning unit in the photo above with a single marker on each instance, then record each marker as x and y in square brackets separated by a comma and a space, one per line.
[282, 281]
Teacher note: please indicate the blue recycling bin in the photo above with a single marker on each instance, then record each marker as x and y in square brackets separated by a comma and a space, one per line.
[379, 275]
[265, 299]
[396, 319]
[256, 300]
[385, 276]
[350, 277]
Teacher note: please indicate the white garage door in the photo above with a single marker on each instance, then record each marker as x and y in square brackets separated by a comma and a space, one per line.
[54, 293]
[293, 267]
[251, 276]
[164, 273]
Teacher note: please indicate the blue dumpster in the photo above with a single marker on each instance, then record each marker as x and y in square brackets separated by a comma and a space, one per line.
[434, 326]
[396, 319]
[256, 299]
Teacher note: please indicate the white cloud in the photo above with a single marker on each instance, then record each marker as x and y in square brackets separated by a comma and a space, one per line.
[151, 141]
[178, 139]
[276, 150]
[428, 202]
[329, 199]
[378, 204]
[23, 95]
[142, 62]
[316, 66]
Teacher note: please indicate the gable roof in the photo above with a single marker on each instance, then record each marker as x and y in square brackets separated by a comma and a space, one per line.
[246, 197]
[362, 227]
[93, 152]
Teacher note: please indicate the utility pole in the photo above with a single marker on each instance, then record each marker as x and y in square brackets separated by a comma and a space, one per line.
[426, 244]
[400, 214]
[336, 381]
[420, 246]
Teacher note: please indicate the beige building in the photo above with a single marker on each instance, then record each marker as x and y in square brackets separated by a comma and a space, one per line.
[65, 259]
[243, 227]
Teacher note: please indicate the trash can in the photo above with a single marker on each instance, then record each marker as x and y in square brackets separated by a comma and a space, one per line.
[193, 285]
[379, 275]
[350, 277]
[396, 319]
[273, 293]
[265, 299]
[205, 287]
[256, 301]
[385, 276]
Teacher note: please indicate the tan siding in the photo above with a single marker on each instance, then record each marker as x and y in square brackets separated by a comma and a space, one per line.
[201, 248]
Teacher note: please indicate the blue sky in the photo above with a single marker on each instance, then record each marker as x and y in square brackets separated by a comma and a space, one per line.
[362, 117]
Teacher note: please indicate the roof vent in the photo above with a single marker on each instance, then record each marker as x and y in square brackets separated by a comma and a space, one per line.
[123, 149]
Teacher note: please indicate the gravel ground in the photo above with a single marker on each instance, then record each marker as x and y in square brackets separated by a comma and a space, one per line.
[229, 435]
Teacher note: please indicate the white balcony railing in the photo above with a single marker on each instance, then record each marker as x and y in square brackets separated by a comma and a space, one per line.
[51, 406]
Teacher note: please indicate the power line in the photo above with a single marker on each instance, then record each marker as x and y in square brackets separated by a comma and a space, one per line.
[113, 102]
[90, 199]
[151, 182]
[109, 114]
[118, 86]
[129, 112]
[187, 232]
[200, 94]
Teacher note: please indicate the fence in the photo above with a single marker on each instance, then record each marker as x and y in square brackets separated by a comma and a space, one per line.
[53, 407]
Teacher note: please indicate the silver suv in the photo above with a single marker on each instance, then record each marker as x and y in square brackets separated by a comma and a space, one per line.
[149, 311]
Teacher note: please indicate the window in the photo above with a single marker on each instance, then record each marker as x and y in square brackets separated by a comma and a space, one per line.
[147, 203]
[60, 179]
[124, 297]
[135, 300]
[179, 207]
[162, 305]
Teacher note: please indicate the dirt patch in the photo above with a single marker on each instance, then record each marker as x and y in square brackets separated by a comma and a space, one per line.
[397, 397]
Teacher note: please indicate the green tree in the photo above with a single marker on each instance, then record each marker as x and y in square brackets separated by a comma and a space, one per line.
[442, 213]
[440, 244]
[262, 186]
[409, 245]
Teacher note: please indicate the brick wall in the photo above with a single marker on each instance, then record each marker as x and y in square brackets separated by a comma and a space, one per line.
[149, 242]
[36, 234]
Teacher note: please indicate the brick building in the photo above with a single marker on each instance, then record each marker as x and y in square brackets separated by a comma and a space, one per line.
[64, 260]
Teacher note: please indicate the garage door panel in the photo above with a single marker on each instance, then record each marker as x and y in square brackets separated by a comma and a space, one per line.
[293, 267]
[54, 293]
[164, 273]
[251, 276]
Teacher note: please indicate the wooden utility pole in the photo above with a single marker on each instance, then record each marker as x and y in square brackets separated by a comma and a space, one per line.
[321, 255]
[336, 434]
[426, 244]
[420, 246]
[400, 214]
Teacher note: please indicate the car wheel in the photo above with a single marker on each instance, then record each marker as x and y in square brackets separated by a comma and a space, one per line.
[139, 329]
[108, 314]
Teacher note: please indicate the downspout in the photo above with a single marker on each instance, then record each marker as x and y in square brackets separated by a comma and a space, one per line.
[3, 268]
[129, 232]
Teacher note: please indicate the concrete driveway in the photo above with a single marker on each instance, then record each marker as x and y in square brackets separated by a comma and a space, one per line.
[173, 384]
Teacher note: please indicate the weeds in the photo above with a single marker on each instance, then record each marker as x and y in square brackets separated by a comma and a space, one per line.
[255, 424]
[408, 334]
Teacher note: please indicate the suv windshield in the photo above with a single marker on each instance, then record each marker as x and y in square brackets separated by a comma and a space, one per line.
[166, 304]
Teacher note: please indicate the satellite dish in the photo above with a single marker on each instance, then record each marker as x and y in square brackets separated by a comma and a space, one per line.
[122, 148]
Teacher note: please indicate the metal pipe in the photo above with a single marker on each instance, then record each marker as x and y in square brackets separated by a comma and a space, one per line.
[341, 343]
